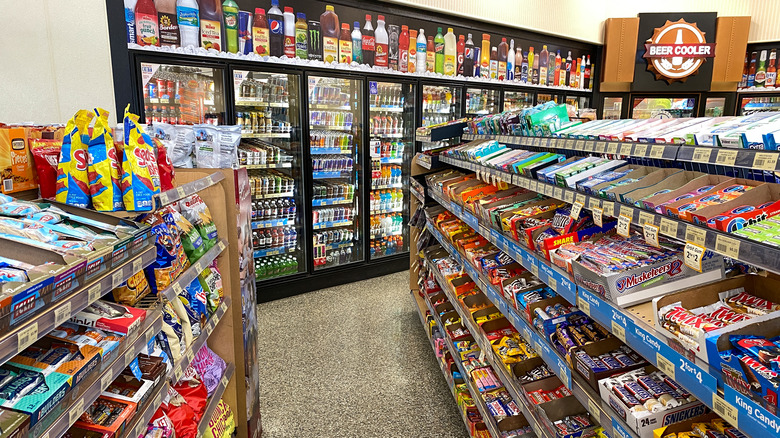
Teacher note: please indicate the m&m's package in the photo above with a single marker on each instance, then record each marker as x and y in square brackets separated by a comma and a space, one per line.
[72, 171]
[140, 177]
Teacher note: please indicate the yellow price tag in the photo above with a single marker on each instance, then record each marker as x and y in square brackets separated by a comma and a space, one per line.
[725, 409]
[624, 225]
[558, 193]
[581, 198]
[657, 151]
[645, 217]
[593, 202]
[568, 196]
[593, 408]
[76, 411]
[579, 145]
[27, 336]
[588, 146]
[598, 216]
[726, 157]
[695, 235]
[583, 305]
[62, 314]
[651, 235]
[600, 147]
[625, 149]
[619, 331]
[665, 365]
[727, 246]
[693, 256]
[668, 227]
[765, 160]
[627, 211]
[640, 150]
[701, 155]
[612, 148]
[576, 208]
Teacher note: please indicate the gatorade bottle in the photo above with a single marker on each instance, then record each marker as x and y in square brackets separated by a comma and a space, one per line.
[230, 15]
[330, 34]
[357, 43]
[430, 56]
[484, 62]
[544, 59]
[412, 51]
[503, 53]
[146, 31]
[275, 29]
[468, 57]
[460, 54]
[189, 22]
[510, 62]
[450, 52]
[421, 52]
[438, 49]
[167, 22]
[289, 32]
[368, 42]
[301, 37]
[345, 44]
[211, 25]
[403, 49]
[382, 45]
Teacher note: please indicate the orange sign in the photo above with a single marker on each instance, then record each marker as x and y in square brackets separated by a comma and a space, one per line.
[677, 50]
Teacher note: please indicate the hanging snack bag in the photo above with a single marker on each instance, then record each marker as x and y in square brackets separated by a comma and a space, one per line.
[46, 154]
[206, 146]
[222, 423]
[181, 414]
[196, 297]
[229, 139]
[171, 318]
[170, 261]
[164, 136]
[210, 366]
[165, 169]
[181, 152]
[197, 212]
[72, 186]
[191, 315]
[192, 389]
[191, 240]
[186, 327]
[104, 179]
[140, 178]
[211, 281]
[133, 290]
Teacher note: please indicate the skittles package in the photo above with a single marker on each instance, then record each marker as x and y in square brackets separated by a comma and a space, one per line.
[140, 179]
[72, 186]
[104, 180]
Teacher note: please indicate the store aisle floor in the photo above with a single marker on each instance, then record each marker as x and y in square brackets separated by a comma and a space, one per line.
[351, 361]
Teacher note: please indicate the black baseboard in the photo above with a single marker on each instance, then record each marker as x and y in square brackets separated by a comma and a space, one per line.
[291, 286]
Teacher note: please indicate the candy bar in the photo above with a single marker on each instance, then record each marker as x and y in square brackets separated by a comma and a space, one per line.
[56, 356]
[21, 385]
[735, 433]
[610, 362]
[658, 392]
[752, 304]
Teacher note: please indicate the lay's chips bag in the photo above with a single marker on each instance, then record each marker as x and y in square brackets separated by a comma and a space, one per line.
[72, 186]
[104, 180]
[140, 178]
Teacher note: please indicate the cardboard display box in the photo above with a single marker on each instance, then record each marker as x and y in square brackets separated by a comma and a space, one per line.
[76, 369]
[671, 182]
[596, 349]
[38, 405]
[732, 215]
[13, 424]
[678, 210]
[653, 203]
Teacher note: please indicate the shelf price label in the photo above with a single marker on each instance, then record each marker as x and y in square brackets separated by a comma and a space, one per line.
[657, 152]
[619, 331]
[116, 279]
[137, 265]
[593, 202]
[579, 145]
[581, 199]
[576, 208]
[640, 150]
[180, 192]
[129, 356]
[600, 147]
[76, 411]
[668, 227]
[588, 146]
[558, 193]
[569, 144]
[62, 314]
[726, 157]
[568, 197]
[598, 216]
[646, 218]
[106, 380]
[727, 246]
[27, 336]
[627, 211]
[701, 155]
[651, 235]
[609, 209]
[693, 255]
[625, 149]
[665, 365]
[93, 294]
[583, 305]
[593, 408]
[765, 160]
[624, 225]
[612, 148]
[695, 235]
[726, 410]
[553, 283]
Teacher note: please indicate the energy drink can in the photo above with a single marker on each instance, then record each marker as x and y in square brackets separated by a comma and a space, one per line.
[315, 40]
[245, 32]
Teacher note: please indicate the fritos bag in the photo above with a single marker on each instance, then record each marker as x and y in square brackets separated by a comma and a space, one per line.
[104, 180]
[140, 180]
[72, 181]
[46, 154]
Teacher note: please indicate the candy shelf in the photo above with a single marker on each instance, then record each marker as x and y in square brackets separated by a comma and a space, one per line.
[64, 414]
[144, 413]
[186, 277]
[186, 189]
[256, 225]
[442, 132]
[19, 338]
[417, 189]
[267, 166]
[208, 413]
[427, 161]
[274, 195]
[187, 356]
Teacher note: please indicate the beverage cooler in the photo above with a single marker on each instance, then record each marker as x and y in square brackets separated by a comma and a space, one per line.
[646, 107]
[441, 103]
[481, 101]
[517, 100]
[749, 103]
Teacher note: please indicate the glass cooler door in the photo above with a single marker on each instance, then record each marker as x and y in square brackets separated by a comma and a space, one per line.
[335, 139]
[515, 100]
[269, 113]
[481, 101]
[182, 95]
[663, 107]
[440, 104]
[391, 130]
[757, 103]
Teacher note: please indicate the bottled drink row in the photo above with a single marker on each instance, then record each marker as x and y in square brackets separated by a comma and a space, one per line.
[385, 174]
[387, 96]
[274, 209]
[437, 99]
[324, 94]
[271, 120]
[275, 266]
[332, 163]
[282, 238]
[387, 199]
[339, 119]
[266, 183]
[170, 85]
[323, 257]
[334, 191]
[387, 149]
[386, 246]
[386, 224]
[327, 139]
[274, 90]
[333, 214]
[386, 124]
[254, 153]
[757, 72]
[339, 236]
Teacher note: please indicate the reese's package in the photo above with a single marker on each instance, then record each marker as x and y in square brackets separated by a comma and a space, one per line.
[104, 180]
[72, 180]
[140, 178]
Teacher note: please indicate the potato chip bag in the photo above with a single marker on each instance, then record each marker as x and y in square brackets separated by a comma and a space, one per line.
[72, 180]
[171, 260]
[181, 152]
[164, 167]
[140, 180]
[104, 180]
[211, 281]
[197, 212]
[46, 154]
[133, 290]
[207, 146]
[222, 423]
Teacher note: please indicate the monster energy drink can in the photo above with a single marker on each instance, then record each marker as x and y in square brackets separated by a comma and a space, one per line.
[315, 40]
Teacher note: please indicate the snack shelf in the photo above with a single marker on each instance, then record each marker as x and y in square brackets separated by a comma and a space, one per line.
[331, 175]
[144, 414]
[417, 189]
[273, 251]
[388, 160]
[187, 356]
[19, 338]
[267, 166]
[442, 132]
[62, 415]
[387, 109]
[330, 201]
[427, 161]
[331, 224]
[187, 189]
[186, 277]
[387, 186]
[258, 102]
[266, 135]
[330, 151]
[696, 376]
[216, 396]
[256, 225]
[386, 210]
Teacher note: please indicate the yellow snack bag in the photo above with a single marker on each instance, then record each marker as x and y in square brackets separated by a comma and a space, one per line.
[103, 172]
[72, 179]
[140, 177]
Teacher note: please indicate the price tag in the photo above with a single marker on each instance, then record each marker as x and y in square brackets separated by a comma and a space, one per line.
[619, 331]
[583, 305]
[223, 307]
[588, 146]
[612, 148]
[657, 151]
[725, 409]
[158, 399]
[149, 335]
[180, 191]
[765, 160]
[576, 208]
[106, 380]
[726, 157]
[568, 196]
[600, 147]
[593, 408]
[137, 265]
[609, 209]
[553, 283]
[645, 217]
[624, 225]
[198, 267]
[627, 211]
[693, 256]
[535, 187]
[695, 235]
[625, 149]
[701, 155]
[177, 372]
[163, 198]
[535, 270]
[665, 365]
[579, 145]
[569, 144]
[668, 227]
[62, 314]
[581, 199]
[177, 288]
[139, 429]
[558, 193]
[129, 355]
[27, 336]
[640, 150]
[727, 246]
[224, 380]
[190, 355]
[76, 411]
[93, 294]
[116, 279]
[209, 329]
[598, 216]
[651, 235]
[221, 245]
[593, 202]
[209, 181]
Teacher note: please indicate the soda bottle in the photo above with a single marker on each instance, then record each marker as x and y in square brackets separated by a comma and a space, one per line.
[503, 53]
[534, 67]
[587, 73]
[568, 70]
[289, 32]
[330, 34]
[315, 40]
[403, 49]
[275, 30]
[544, 59]
[230, 16]
[760, 77]
[357, 44]
[468, 57]
[450, 53]
[438, 50]
[493, 62]
[771, 70]
[422, 52]
[484, 61]
[430, 56]
[301, 37]
[460, 49]
[550, 68]
[147, 32]
[345, 44]
[412, 51]
[381, 43]
[557, 78]
[392, 46]
[582, 73]
[510, 62]
[167, 23]
[260, 36]
[211, 24]
[368, 44]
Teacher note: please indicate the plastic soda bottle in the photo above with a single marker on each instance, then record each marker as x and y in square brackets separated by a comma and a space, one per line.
[147, 32]
[438, 49]
[330, 34]
[381, 56]
[230, 16]
[422, 57]
[484, 62]
[211, 25]
[276, 30]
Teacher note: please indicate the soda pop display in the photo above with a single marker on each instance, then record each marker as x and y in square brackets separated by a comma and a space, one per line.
[261, 39]
[332, 163]
[381, 48]
[180, 95]
[273, 209]
[277, 238]
[412, 68]
[357, 44]
[230, 15]
[481, 101]
[211, 25]
[392, 46]
[327, 193]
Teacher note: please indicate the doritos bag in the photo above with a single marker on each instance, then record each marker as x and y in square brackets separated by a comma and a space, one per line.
[104, 180]
[140, 180]
[72, 180]
[46, 154]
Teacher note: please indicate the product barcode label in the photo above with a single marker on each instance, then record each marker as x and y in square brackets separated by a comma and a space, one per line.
[695, 235]
[76, 411]
[27, 336]
[701, 155]
[725, 409]
[598, 216]
[625, 149]
[727, 246]
[646, 218]
[137, 265]
[106, 380]
[665, 365]
[619, 331]
[180, 191]
[726, 157]
[177, 372]
[668, 227]
[593, 408]
[581, 199]
[553, 283]
[209, 329]
[224, 380]
[568, 196]
[612, 148]
[583, 305]
[569, 144]
[657, 151]
[588, 146]
[579, 145]
[129, 356]
[62, 314]
[535, 270]
[765, 160]
[640, 150]
[627, 211]
[558, 193]
[190, 355]
[177, 288]
[93, 294]
[600, 147]
[8, 185]
[593, 202]
[116, 279]
[149, 335]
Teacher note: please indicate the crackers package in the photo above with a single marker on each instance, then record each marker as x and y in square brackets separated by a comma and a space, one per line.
[140, 178]
[103, 171]
[72, 180]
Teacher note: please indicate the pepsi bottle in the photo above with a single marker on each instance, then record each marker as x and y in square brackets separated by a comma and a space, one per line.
[275, 29]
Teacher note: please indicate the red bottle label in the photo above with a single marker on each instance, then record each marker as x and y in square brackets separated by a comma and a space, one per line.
[381, 55]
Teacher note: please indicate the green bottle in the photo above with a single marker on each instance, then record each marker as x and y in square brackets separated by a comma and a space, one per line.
[261, 271]
[230, 15]
[438, 49]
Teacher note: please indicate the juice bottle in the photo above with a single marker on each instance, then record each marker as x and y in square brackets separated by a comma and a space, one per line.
[771, 70]
[392, 46]
[533, 65]
[450, 51]
[551, 68]
[382, 46]
[188, 16]
[510, 62]
[519, 64]
[275, 30]
[368, 42]
[421, 52]
[438, 48]
[484, 62]
[557, 70]
[301, 37]
[230, 14]
[345, 44]
[412, 51]
[760, 78]
[403, 49]
[130, 20]
[430, 58]
[289, 32]
[468, 57]
[260, 37]
[211, 24]
[167, 22]
[544, 59]
[503, 53]
[357, 43]
[751, 72]
[146, 31]
[587, 73]
[493, 62]
[460, 54]
[562, 73]
[330, 34]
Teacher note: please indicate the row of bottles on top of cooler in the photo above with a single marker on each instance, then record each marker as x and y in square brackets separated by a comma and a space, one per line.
[392, 199]
[324, 257]
[331, 163]
[387, 95]
[266, 183]
[175, 116]
[272, 90]
[387, 245]
[338, 236]
[387, 149]
[270, 209]
[275, 266]
[332, 214]
[253, 152]
[334, 191]
[337, 119]
[386, 124]
[282, 238]
[757, 72]
[329, 139]
[387, 224]
[267, 121]
[385, 174]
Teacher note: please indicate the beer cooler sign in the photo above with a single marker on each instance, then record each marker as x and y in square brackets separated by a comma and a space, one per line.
[677, 50]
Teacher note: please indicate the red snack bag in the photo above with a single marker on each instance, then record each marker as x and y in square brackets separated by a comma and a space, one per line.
[193, 391]
[46, 154]
[164, 166]
[180, 415]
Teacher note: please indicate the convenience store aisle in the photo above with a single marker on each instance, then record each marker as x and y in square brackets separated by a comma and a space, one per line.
[351, 360]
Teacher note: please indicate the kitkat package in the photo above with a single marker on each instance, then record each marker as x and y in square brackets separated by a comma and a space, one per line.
[104, 179]
[140, 178]
[72, 179]
[46, 154]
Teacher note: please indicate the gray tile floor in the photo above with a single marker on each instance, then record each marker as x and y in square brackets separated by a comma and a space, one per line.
[351, 361]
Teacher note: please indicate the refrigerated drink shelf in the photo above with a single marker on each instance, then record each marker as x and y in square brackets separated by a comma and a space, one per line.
[399, 135]
[339, 245]
[274, 195]
[387, 210]
[267, 135]
[389, 109]
[388, 160]
[320, 106]
[256, 225]
[331, 175]
[330, 151]
[332, 201]
[332, 224]
[273, 251]
[333, 128]
[251, 102]
[383, 235]
[387, 186]
[267, 166]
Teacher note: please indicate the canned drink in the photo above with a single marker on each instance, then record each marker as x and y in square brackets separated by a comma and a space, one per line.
[152, 86]
[245, 32]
